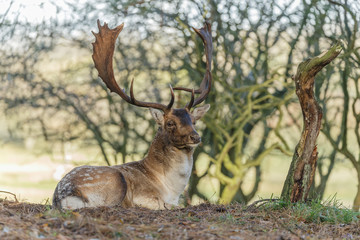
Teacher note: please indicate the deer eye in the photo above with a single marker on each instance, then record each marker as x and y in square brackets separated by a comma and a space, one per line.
[170, 124]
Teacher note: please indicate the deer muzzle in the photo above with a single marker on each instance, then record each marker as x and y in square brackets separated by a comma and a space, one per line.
[194, 138]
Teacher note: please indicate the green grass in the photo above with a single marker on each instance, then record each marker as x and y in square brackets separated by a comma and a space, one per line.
[315, 211]
[328, 211]
[228, 217]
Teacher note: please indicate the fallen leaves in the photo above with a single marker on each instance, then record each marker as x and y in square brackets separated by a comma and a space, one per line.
[205, 221]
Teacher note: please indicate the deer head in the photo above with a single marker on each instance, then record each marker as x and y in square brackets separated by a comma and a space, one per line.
[176, 125]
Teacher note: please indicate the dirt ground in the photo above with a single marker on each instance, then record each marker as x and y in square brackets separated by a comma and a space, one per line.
[205, 221]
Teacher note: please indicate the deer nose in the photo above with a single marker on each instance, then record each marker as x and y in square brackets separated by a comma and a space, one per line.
[195, 138]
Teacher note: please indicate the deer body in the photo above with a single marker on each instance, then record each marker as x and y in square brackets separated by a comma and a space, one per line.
[136, 183]
[158, 180]
[155, 182]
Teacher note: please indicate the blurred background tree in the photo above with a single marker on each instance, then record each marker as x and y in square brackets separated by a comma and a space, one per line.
[49, 88]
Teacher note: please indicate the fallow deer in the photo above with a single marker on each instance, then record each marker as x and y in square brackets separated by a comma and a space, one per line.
[156, 181]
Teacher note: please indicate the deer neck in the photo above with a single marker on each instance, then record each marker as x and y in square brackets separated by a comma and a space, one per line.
[166, 155]
[171, 166]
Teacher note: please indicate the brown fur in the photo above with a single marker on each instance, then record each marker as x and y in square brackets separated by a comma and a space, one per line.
[154, 182]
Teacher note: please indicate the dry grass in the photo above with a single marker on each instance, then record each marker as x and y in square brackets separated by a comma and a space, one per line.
[205, 221]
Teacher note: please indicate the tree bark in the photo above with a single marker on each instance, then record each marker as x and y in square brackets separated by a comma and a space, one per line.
[356, 204]
[302, 169]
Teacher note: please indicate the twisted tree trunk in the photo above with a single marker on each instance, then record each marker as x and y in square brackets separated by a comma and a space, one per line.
[302, 169]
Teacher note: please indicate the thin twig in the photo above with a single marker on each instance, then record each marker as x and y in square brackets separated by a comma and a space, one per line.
[262, 201]
[10, 194]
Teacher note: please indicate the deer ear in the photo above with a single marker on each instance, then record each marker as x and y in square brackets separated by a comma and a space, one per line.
[157, 115]
[200, 111]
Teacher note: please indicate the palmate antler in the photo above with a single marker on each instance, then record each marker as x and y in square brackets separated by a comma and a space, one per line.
[205, 86]
[103, 51]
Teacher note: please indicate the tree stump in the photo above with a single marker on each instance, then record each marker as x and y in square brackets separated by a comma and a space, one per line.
[302, 169]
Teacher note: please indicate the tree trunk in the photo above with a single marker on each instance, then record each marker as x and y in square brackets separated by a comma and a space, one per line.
[302, 170]
[356, 205]
[229, 191]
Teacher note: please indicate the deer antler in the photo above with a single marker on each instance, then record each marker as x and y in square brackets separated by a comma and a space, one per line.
[103, 51]
[205, 86]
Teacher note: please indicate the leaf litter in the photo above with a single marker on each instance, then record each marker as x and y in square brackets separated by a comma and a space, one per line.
[21, 220]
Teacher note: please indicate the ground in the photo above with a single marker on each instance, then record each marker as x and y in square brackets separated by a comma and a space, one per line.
[204, 221]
